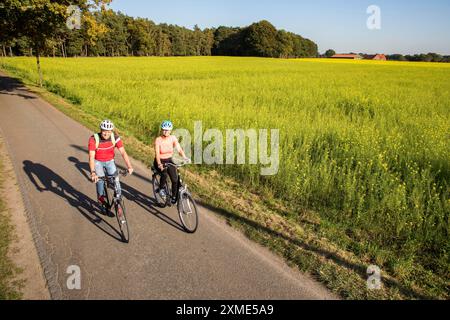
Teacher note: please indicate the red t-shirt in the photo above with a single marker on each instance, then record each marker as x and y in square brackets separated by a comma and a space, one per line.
[105, 151]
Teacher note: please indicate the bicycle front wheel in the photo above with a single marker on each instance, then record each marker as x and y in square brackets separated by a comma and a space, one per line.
[187, 210]
[122, 221]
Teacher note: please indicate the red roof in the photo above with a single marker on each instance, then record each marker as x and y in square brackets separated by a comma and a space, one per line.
[377, 56]
[346, 56]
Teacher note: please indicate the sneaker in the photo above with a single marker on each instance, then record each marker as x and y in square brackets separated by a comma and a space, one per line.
[163, 193]
[102, 203]
[102, 200]
[174, 200]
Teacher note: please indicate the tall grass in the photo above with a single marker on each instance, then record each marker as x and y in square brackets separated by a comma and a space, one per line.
[366, 144]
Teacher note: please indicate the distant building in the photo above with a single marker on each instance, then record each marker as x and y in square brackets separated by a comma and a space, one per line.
[350, 56]
[377, 56]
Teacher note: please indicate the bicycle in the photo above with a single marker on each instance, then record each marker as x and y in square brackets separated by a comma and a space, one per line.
[117, 202]
[187, 208]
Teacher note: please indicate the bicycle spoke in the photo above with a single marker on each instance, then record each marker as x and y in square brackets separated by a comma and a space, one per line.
[122, 221]
[186, 206]
[187, 211]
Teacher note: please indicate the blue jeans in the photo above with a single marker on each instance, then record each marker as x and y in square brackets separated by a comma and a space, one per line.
[111, 170]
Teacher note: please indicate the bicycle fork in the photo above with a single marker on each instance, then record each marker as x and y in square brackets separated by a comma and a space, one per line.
[185, 205]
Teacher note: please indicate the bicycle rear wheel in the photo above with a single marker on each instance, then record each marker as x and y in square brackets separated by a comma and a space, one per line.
[187, 210]
[122, 221]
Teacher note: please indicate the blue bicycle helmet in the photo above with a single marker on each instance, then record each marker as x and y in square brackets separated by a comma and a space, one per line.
[167, 125]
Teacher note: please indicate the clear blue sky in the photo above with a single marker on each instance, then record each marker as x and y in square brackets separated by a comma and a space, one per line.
[407, 26]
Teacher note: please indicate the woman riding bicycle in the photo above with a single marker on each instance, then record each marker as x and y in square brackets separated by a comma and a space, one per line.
[165, 145]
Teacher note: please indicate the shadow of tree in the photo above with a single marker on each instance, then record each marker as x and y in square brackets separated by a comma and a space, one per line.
[14, 87]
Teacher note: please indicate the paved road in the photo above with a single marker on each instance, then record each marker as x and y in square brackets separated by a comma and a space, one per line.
[161, 261]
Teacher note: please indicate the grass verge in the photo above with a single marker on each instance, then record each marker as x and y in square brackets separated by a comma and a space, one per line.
[9, 285]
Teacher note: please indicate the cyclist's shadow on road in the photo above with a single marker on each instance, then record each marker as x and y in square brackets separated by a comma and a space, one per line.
[146, 202]
[46, 180]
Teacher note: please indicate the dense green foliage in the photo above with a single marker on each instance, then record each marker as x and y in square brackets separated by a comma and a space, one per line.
[261, 40]
[37, 23]
[429, 57]
[329, 53]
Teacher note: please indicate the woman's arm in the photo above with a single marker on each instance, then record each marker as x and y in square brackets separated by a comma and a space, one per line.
[158, 155]
[179, 149]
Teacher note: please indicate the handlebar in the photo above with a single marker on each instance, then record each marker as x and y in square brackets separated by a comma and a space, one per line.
[185, 163]
[123, 173]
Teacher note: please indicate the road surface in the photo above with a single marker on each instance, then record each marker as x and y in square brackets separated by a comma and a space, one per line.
[48, 150]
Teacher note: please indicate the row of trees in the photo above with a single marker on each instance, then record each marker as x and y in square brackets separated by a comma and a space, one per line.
[39, 23]
[429, 57]
[108, 33]
[261, 39]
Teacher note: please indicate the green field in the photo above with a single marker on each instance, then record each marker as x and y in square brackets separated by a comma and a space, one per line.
[365, 144]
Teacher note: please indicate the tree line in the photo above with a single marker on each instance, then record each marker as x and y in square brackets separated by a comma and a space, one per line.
[429, 57]
[105, 32]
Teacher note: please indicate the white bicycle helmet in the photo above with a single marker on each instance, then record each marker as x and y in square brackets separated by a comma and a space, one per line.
[107, 125]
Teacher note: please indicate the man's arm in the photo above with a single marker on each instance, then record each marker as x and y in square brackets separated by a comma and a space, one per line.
[92, 166]
[126, 159]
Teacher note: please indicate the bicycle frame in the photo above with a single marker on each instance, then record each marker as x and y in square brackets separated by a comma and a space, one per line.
[186, 206]
[110, 183]
[179, 182]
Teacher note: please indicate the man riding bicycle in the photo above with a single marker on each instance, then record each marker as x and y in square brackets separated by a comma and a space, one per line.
[164, 150]
[101, 157]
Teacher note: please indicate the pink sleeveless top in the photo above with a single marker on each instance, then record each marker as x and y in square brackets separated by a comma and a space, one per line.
[166, 146]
